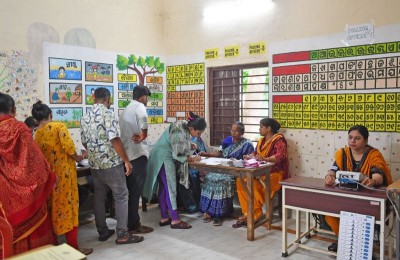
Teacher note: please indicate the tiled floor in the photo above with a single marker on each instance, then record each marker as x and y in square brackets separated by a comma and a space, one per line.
[202, 241]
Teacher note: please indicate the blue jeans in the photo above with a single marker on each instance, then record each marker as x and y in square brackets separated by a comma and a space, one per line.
[113, 178]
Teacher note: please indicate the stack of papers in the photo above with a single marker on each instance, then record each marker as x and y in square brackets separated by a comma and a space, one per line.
[214, 161]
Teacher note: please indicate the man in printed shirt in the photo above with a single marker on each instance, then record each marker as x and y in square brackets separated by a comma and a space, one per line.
[99, 135]
[134, 124]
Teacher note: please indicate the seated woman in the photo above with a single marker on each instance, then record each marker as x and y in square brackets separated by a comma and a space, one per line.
[217, 193]
[271, 147]
[358, 157]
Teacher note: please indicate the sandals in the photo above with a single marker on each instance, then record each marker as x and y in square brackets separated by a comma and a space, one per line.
[207, 218]
[333, 247]
[181, 225]
[166, 223]
[85, 251]
[240, 223]
[130, 239]
[106, 236]
[217, 222]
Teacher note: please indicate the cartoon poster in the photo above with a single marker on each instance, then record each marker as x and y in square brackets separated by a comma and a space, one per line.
[89, 93]
[65, 93]
[70, 116]
[99, 72]
[65, 69]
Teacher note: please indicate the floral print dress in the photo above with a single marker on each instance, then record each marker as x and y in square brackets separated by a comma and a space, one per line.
[57, 145]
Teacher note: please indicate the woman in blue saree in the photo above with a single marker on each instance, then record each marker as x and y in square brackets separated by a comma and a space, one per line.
[217, 193]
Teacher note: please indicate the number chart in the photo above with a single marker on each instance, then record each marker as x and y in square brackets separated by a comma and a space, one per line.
[327, 69]
[336, 88]
[185, 91]
[377, 111]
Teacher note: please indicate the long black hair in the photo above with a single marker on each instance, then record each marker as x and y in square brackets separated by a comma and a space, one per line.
[196, 121]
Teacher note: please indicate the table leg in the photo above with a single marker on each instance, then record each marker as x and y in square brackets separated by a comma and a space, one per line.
[298, 225]
[268, 200]
[382, 233]
[284, 223]
[250, 207]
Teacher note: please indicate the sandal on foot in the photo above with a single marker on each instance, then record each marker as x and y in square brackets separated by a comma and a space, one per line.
[217, 222]
[181, 225]
[333, 247]
[207, 219]
[106, 236]
[129, 239]
[85, 251]
[240, 223]
[141, 230]
[165, 223]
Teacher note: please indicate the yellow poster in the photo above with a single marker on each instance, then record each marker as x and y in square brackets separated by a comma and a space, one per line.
[257, 48]
[210, 54]
[232, 51]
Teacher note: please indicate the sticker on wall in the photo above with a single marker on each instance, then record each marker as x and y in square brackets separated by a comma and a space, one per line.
[100, 72]
[65, 93]
[65, 69]
[70, 116]
[18, 78]
[89, 93]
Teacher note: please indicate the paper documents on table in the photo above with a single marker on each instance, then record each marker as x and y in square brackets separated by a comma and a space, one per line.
[214, 161]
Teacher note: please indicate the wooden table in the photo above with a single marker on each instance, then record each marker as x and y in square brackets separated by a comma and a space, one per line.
[311, 195]
[242, 173]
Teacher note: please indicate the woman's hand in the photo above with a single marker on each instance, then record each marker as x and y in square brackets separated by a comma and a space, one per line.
[196, 158]
[330, 178]
[375, 180]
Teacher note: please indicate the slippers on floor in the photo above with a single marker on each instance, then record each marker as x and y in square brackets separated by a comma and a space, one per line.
[207, 220]
[85, 251]
[166, 223]
[217, 222]
[129, 240]
[106, 236]
[181, 225]
[240, 223]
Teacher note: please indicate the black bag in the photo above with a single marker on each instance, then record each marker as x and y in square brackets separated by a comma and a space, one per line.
[185, 198]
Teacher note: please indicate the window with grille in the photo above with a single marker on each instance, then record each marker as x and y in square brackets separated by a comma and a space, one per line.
[237, 93]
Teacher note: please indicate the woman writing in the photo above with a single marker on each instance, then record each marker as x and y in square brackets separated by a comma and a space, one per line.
[358, 156]
[172, 152]
[218, 191]
[271, 147]
[57, 146]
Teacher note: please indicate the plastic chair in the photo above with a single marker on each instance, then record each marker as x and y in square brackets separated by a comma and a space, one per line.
[7, 238]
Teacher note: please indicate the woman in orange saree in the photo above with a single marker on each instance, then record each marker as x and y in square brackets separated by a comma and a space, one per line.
[358, 156]
[26, 182]
[271, 147]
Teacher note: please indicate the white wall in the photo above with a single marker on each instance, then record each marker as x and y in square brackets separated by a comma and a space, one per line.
[176, 27]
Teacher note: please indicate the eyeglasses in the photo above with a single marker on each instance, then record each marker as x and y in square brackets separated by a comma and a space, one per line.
[234, 131]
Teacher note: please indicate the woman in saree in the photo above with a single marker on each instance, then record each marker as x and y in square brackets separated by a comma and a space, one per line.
[358, 156]
[271, 147]
[171, 153]
[217, 193]
[26, 182]
[58, 147]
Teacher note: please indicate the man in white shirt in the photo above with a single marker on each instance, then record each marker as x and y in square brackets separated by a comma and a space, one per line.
[134, 124]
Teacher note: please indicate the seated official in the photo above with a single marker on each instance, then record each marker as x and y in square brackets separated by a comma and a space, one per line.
[358, 156]
[271, 147]
[217, 193]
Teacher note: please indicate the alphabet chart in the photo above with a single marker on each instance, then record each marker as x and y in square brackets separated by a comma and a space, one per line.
[336, 88]
[356, 235]
[185, 91]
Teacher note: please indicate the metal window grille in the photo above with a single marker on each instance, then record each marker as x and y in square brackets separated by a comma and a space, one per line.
[237, 93]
